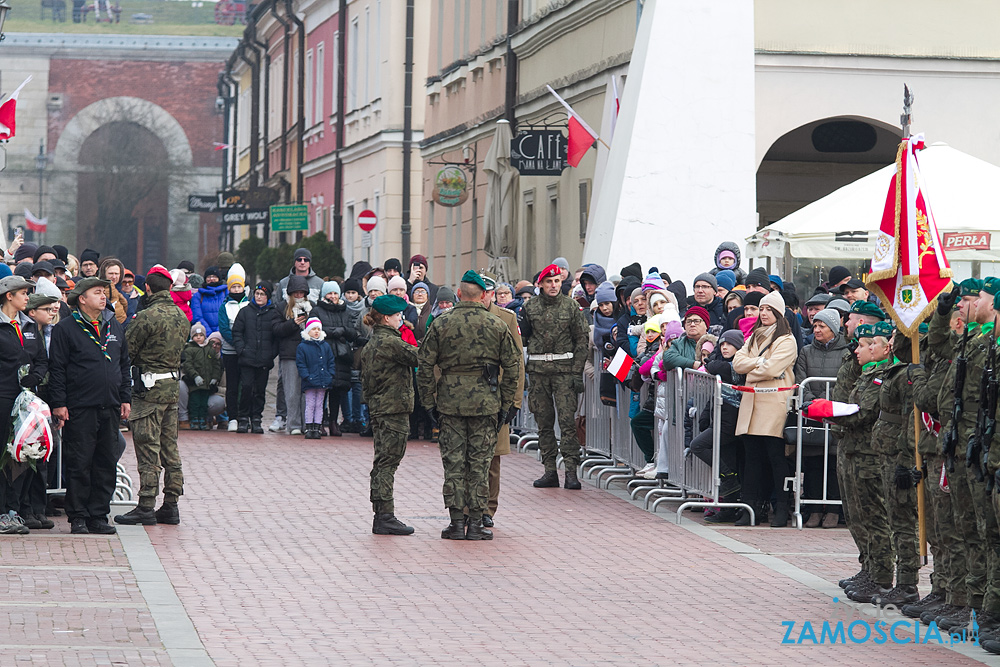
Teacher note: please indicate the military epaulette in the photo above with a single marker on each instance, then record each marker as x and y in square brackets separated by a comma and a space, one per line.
[507, 309]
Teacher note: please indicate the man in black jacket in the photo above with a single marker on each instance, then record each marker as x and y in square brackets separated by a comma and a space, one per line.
[90, 386]
[253, 338]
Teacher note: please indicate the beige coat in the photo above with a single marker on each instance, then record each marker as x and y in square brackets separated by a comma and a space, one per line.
[510, 319]
[764, 414]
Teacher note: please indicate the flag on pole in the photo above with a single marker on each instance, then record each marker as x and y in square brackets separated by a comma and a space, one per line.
[35, 224]
[218, 145]
[7, 112]
[621, 365]
[581, 136]
[909, 268]
[617, 107]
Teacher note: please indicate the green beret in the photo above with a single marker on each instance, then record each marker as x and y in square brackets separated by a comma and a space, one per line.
[970, 287]
[389, 304]
[923, 328]
[883, 329]
[996, 301]
[864, 331]
[471, 276]
[991, 285]
[861, 307]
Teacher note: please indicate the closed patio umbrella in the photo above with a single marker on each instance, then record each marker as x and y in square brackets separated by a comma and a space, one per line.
[500, 216]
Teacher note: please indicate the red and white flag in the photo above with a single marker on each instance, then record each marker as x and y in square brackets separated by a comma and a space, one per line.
[7, 113]
[617, 107]
[824, 409]
[909, 268]
[218, 145]
[581, 136]
[35, 224]
[621, 365]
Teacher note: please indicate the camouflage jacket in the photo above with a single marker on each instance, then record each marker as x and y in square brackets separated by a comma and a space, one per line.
[554, 325]
[928, 380]
[387, 364]
[156, 339]
[847, 377]
[890, 434]
[460, 343]
[857, 428]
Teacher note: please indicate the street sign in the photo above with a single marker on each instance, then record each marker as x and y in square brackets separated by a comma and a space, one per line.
[290, 218]
[366, 240]
[539, 152]
[203, 203]
[250, 216]
[367, 221]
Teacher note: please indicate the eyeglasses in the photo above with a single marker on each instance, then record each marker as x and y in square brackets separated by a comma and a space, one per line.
[52, 310]
[703, 286]
[301, 259]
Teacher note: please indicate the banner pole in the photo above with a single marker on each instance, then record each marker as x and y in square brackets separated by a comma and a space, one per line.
[915, 355]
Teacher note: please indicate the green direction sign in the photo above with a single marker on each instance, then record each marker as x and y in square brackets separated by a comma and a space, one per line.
[289, 218]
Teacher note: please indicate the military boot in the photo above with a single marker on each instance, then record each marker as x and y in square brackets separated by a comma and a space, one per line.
[863, 592]
[990, 645]
[900, 595]
[388, 524]
[572, 482]
[934, 614]
[243, 426]
[550, 480]
[168, 514]
[475, 531]
[857, 577]
[959, 619]
[929, 603]
[454, 531]
[140, 516]
[988, 621]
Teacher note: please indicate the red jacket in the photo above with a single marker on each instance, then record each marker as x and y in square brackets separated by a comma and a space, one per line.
[183, 301]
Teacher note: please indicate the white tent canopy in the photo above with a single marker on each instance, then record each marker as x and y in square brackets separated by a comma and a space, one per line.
[844, 224]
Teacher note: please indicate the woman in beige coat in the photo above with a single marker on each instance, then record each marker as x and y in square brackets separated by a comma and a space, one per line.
[768, 361]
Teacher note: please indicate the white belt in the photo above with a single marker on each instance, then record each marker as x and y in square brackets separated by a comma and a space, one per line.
[550, 357]
[149, 379]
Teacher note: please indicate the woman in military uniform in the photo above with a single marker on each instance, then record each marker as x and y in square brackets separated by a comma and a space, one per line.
[387, 365]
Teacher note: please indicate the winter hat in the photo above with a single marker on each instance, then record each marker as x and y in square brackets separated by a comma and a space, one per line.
[418, 259]
[707, 278]
[732, 336]
[830, 318]
[378, 283]
[297, 284]
[313, 322]
[655, 298]
[26, 251]
[48, 288]
[215, 335]
[672, 330]
[303, 252]
[723, 255]
[197, 328]
[445, 293]
[225, 260]
[180, 281]
[526, 289]
[360, 269]
[266, 286]
[237, 275]
[700, 312]
[396, 282]
[679, 291]
[726, 279]
[837, 274]
[5, 271]
[329, 286]
[752, 299]
[186, 265]
[758, 278]
[775, 301]
[62, 252]
[841, 306]
[670, 314]
[653, 281]
[420, 285]
[776, 279]
[561, 263]
[24, 270]
[393, 264]
[352, 285]
[213, 271]
[604, 292]
[633, 269]
[42, 250]
[652, 324]
[43, 266]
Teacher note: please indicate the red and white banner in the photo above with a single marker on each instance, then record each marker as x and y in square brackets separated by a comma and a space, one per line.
[824, 409]
[35, 224]
[581, 136]
[621, 365]
[8, 111]
[909, 268]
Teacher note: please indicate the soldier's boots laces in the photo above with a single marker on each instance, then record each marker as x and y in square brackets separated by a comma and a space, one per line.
[454, 531]
[140, 516]
[958, 620]
[859, 577]
[931, 601]
[572, 481]
[168, 514]
[897, 597]
[550, 480]
[934, 614]
[475, 531]
[388, 524]
[863, 592]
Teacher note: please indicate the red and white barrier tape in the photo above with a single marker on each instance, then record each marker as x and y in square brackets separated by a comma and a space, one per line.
[760, 390]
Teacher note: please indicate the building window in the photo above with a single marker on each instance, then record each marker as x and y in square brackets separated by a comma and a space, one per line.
[553, 219]
[310, 83]
[318, 94]
[482, 24]
[319, 220]
[368, 54]
[468, 28]
[378, 50]
[276, 83]
[584, 206]
[501, 18]
[335, 106]
[456, 45]
[352, 88]
[440, 35]
[530, 242]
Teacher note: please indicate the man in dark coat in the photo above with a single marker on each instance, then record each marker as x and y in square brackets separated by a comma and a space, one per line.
[253, 338]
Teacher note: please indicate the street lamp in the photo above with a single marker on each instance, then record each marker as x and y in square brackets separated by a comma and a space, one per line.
[4, 8]
[40, 161]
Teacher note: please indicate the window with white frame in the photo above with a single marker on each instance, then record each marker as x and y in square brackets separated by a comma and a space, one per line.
[352, 80]
[318, 93]
[377, 87]
[309, 87]
[335, 106]
[276, 83]
[368, 54]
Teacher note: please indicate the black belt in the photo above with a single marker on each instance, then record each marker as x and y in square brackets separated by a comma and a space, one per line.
[890, 417]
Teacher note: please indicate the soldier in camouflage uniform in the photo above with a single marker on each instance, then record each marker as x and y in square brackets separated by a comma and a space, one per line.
[387, 364]
[156, 338]
[990, 628]
[556, 335]
[470, 347]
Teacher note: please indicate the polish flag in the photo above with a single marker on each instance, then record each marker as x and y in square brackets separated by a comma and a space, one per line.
[824, 409]
[7, 110]
[621, 365]
[35, 224]
[618, 105]
[218, 145]
[581, 136]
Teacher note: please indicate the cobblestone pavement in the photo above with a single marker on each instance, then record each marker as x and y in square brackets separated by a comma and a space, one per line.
[275, 564]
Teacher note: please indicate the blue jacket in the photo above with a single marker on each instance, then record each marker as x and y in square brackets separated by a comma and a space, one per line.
[314, 359]
[205, 305]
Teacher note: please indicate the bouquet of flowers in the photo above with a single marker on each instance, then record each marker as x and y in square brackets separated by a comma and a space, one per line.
[31, 435]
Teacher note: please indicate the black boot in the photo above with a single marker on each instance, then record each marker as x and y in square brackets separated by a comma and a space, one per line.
[388, 524]
[848, 580]
[454, 531]
[780, 517]
[572, 481]
[140, 516]
[759, 512]
[168, 514]
[549, 480]
[475, 531]
[255, 427]
[930, 602]
[243, 426]
[725, 515]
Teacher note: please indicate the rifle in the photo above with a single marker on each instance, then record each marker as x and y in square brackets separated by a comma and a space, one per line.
[951, 435]
[990, 397]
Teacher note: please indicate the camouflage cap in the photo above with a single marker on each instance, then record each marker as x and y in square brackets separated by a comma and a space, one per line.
[860, 307]
[991, 285]
[970, 287]
[885, 329]
[474, 278]
[389, 304]
[864, 331]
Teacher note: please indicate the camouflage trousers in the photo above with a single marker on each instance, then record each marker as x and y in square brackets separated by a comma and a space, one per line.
[941, 534]
[871, 513]
[549, 395]
[901, 513]
[969, 556]
[154, 437]
[390, 445]
[986, 525]
[849, 499]
[467, 445]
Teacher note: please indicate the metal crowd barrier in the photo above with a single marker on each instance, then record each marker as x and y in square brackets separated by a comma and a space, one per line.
[597, 448]
[801, 428]
[124, 492]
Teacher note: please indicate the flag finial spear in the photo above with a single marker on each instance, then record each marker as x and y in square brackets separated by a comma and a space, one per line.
[906, 118]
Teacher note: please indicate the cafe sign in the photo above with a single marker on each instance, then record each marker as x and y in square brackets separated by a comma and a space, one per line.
[450, 187]
[539, 152]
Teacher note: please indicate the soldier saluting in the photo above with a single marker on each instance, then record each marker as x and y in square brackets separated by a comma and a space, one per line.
[556, 335]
